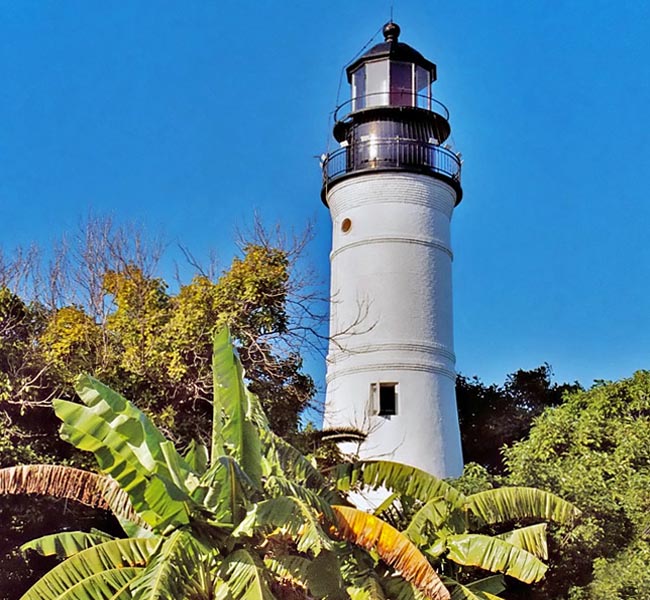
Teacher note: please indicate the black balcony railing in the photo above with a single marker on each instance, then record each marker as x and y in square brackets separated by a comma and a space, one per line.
[390, 99]
[389, 154]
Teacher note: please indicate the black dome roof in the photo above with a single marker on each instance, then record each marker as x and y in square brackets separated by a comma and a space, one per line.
[393, 49]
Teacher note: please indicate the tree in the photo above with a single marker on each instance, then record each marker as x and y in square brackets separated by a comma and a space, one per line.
[245, 518]
[495, 416]
[594, 449]
[98, 306]
[251, 515]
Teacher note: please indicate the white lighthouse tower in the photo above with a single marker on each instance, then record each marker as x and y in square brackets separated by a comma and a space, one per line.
[391, 189]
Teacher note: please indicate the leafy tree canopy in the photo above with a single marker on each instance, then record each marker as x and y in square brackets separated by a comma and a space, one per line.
[494, 416]
[594, 450]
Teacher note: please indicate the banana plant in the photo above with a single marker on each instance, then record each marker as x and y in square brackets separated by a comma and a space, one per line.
[249, 518]
[441, 521]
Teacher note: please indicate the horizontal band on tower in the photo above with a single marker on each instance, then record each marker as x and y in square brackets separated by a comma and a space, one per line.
[438, 245]
[421, 367]
[429, 348]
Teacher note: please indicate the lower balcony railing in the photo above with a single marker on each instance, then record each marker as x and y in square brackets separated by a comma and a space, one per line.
[377, 154]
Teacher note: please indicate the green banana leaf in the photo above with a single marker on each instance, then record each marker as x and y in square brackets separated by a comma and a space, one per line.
[66, 543]
[435, 515]
[399, 478]
[279, 486]
[483, 589]
[293, 517]
[531, 538]
[237, 415]
[171, 569]
[197, 457]
[494, 555]
[100, 569]
[246, 576]
[501, 505]
[152, 492]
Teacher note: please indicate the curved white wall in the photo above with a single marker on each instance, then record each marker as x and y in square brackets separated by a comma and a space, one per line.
[391, 318]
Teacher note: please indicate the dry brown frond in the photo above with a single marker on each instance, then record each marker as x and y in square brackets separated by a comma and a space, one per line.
[69, 483]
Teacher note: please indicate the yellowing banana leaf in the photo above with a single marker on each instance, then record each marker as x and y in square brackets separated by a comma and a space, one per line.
[393, 547]
[495, 555]
[501, 505]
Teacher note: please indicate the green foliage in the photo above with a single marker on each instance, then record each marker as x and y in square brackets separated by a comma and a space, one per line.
[595, 450]
[495, 416]
[442, 520]
[103, 311]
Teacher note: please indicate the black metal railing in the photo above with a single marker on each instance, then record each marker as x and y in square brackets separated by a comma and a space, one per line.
[393, 153]
[390, 98]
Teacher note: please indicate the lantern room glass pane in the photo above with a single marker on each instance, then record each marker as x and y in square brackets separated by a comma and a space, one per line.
[377, 83]
[401, 84]
[359, 88]
[423, 87]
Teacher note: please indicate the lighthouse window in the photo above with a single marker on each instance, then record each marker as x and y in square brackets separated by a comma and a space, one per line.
[387, 399]
[422, 87]
[377, 83]
[401, 84]
[359, 88]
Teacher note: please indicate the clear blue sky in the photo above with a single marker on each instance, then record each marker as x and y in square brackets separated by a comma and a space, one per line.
[188, 116]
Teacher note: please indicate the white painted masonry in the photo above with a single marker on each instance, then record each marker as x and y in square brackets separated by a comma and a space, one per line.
[391, 318]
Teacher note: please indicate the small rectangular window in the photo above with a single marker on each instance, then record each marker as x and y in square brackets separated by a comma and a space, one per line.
[387, 399]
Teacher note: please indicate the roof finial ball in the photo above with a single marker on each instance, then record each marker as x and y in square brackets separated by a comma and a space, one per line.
[391, 31]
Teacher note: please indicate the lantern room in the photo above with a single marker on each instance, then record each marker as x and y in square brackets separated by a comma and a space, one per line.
[391, 74]
[391, 121]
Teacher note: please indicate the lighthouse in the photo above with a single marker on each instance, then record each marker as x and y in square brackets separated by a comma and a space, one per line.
[391, 187]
